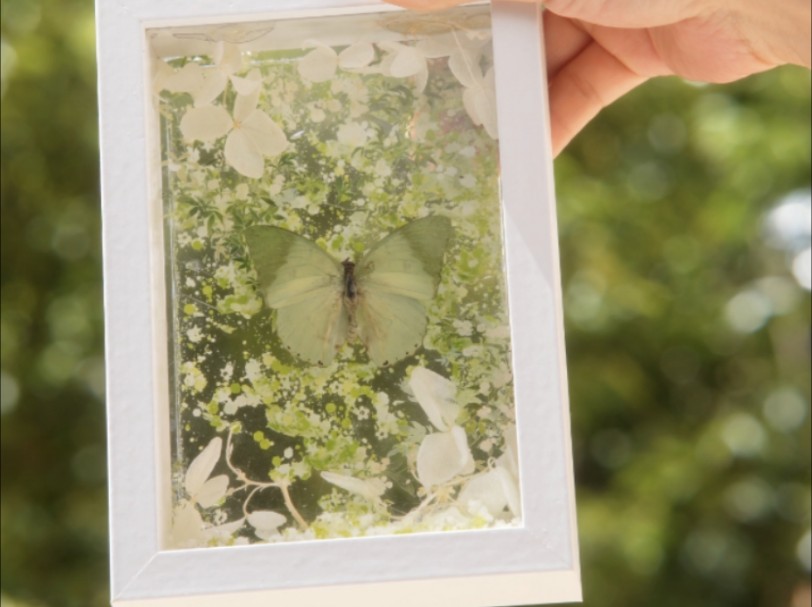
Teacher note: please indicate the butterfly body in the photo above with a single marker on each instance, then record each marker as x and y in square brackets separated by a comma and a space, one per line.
[350, 285]
[382, 299]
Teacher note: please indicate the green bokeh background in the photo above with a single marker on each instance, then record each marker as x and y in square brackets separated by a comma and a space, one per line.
[688, 336]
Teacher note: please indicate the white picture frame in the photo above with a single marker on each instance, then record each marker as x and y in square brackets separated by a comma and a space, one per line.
[536, 563]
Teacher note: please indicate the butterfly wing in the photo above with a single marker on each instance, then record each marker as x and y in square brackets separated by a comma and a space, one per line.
[396, 281]
[304, 285]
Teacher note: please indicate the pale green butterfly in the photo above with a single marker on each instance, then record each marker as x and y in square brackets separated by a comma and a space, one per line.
[382, 299]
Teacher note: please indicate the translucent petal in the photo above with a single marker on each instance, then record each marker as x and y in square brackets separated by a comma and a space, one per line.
[244, 105]
[487, 489]
[266, 519]
[266, 523]
[407, 62]
[464, 64]
[488, 109]
[205, 123]
[247, 85]
[264, 134]
[187, 526]
[385, 64]
[356, 56]
[201, 466]
[214, 83]
[163, 74]
[212, 491]
[319, 65]
[187, 79]
[421, 78]
[227, 56]
[370, 489]
[490, 79]
[441, 45]
[243, 155]
[436, 395]
[466, 458]
[470, 105]
[224, 532]
[442, 456]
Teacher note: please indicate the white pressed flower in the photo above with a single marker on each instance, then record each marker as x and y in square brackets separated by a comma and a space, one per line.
[443, 456]
[404, 61]
[480, 103]
[266, 523]
[479, 96]
[320, 64]
[205, 84]
[371, 488]
[251, 133]
[437, 397]
[201, 489]
[495, 490]
[190, 531]
[356, 56]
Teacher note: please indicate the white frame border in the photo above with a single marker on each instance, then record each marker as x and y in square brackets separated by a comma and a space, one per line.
[533, 564]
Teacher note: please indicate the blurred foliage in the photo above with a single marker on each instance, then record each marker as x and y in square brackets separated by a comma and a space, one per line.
[687, 333]
[688, 343]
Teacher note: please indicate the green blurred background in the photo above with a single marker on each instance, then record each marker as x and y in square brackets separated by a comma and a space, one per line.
[684, 214]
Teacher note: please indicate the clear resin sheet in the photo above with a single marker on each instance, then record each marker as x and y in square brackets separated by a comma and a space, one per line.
[339, 352]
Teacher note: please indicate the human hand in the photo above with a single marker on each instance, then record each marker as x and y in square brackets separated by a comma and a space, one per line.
[598, 50]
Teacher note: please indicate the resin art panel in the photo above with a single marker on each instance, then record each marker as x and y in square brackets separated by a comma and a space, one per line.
[339, 338]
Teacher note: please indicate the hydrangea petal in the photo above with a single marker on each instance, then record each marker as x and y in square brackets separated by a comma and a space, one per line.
[205, 123]
[442, 456]
[464, 64]
[488, 111]
[466, 458]
[371, 489]
[244, 105]
[319, 65]
[212, 491]
[266, 523]
[247, 85]
[213, 84]
[187, 79]
[163, 74]
[436, 395]
[228, 57]
[384, 65]
[472, 103]
[441, 45]
[356, 56]
[187, 526]
[224, 532]
[480, 104]
[201, 466]
[266, 519]
[407, 62]
[243, 155]
[265, 134]
[486, 489]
